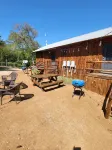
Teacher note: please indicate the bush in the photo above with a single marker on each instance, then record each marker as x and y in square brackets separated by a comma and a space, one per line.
[35, 71]
[18, 64]
[11, 64]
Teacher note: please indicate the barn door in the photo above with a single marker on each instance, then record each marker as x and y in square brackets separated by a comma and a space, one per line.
[107, 56]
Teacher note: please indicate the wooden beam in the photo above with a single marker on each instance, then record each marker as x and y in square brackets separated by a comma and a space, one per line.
[95, 75]
[99, 62]
[99, 69]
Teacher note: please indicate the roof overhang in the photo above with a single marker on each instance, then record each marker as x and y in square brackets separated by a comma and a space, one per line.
[93, 35]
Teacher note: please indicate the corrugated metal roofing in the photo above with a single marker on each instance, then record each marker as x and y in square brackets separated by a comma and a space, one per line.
[85, 37]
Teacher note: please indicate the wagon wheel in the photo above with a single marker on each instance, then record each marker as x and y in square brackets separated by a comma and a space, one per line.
[108, 110]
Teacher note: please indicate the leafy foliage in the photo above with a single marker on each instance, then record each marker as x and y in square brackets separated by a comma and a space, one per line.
[23, 37]
[2, 43]
[20, 45]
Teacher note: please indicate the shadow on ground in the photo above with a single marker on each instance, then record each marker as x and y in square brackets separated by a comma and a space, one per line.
[53, 88]
[78, 93]
[76, 148]
[23, 85]
[22, 97]
[19, 99]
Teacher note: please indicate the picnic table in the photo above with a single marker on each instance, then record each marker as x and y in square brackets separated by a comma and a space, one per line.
[51, 79]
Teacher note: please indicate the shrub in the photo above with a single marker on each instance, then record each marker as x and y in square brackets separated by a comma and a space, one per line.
[11, 64]
[35, 71]
[18, 64]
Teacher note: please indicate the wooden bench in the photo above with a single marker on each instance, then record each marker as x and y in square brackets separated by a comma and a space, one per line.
[45, 85]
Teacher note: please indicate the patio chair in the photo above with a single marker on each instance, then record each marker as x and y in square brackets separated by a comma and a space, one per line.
[3, 79]
[6, 82]
[12, 91]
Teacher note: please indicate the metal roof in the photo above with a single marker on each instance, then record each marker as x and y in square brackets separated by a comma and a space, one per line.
[85, 37]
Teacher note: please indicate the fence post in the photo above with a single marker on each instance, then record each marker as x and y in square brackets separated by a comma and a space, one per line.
[6, 61]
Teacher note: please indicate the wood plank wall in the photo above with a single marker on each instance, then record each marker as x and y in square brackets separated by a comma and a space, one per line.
[80, 53]
[98, 85]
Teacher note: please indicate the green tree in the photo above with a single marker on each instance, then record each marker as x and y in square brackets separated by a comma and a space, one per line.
[20, 44]
[2, 45]
[22, 40]
[23, 37]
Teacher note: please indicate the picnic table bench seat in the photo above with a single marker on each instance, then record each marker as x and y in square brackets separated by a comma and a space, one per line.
[45, 85]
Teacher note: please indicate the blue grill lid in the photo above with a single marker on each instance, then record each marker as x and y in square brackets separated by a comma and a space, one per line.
[78, 83]
[23, 68]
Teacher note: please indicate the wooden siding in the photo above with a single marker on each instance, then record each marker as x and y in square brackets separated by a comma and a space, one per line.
[98, 85]
[80, 53]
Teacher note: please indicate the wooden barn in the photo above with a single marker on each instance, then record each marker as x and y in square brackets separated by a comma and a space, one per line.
[87, 57]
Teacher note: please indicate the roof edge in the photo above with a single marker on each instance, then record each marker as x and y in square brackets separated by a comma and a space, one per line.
[85, 37]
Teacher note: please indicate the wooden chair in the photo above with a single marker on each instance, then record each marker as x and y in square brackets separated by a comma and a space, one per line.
[12, 91]
[3, 80]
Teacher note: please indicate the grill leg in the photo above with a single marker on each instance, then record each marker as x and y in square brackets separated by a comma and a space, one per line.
[80, 93]
[73, 92]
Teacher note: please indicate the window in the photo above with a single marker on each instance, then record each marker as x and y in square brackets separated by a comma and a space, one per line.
[107, 56]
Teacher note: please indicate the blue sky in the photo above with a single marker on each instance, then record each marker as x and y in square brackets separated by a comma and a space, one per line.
[60, 19]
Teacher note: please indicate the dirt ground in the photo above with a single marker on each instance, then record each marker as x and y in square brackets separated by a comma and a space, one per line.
[54, 120]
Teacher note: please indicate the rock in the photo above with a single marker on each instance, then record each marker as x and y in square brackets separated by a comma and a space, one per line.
[19, 146]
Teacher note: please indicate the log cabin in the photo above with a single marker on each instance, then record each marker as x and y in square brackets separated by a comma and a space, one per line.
[92, 57]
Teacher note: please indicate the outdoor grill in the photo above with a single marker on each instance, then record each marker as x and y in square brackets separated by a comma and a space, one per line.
[78, 84]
